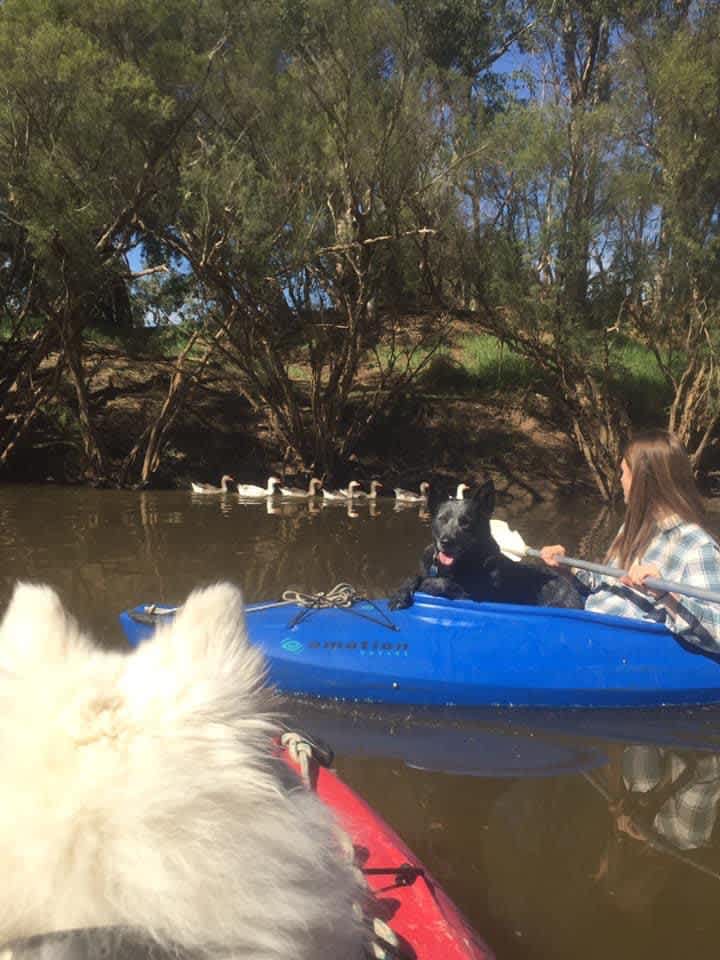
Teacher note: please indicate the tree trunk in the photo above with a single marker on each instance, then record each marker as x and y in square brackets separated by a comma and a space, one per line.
[149, 444]
[22, 422]
[72, 348]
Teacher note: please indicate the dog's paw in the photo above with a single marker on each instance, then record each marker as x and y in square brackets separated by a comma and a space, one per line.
[403, 596]
[442, 587]
[559, 592]
[400, 600]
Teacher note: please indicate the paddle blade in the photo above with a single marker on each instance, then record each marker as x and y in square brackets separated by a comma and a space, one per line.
[509, 541]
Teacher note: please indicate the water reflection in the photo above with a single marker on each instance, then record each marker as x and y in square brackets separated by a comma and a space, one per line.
[107, 550]
[663, 799]
[428, 740]
[422, 509]
[617, 861]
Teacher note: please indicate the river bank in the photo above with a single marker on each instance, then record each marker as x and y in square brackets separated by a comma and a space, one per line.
[443, 436]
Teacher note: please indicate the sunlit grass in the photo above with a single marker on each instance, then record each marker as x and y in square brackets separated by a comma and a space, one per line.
[298, 372]
[480, 364]
[639, 380]
[639, 362]
[493, 365]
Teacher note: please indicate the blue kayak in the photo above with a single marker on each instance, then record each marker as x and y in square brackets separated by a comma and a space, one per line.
[460, 653]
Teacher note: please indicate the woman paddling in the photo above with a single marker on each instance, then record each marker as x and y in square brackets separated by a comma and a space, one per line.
[663, 536]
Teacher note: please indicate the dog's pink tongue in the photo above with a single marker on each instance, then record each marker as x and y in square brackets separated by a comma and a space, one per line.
[445, 560]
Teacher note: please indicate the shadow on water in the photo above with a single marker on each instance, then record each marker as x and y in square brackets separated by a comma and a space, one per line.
[565, 834]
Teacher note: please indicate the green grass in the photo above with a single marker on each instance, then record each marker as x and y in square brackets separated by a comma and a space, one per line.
[484, 365]
[638, 380]
[298, 372]
[30, 325]
[495, 366]
[167, 341]
[638, 363]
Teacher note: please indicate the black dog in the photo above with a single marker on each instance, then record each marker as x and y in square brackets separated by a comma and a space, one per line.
[465, 562]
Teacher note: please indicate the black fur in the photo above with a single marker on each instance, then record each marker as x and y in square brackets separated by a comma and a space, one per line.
[464, 562]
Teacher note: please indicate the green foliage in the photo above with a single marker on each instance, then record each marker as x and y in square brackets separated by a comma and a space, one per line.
[8, 331]
[685, 82]
[301, 168]
[61, 419]
[464, 35]
[90, 115]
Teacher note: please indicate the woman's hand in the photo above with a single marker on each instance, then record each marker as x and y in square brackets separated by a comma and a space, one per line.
[638, 574]
[550, 554]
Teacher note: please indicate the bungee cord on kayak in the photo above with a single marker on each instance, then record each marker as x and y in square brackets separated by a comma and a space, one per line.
[343, 596]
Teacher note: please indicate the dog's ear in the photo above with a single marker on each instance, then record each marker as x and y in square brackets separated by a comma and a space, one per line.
[211, 620]
[484, 497]
[37, 629]
[207, 641]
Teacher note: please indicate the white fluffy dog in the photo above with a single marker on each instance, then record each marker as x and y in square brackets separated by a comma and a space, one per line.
[139, 790]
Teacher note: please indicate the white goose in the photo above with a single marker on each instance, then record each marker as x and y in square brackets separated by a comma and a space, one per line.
[312, 490]
[409, 496]
[359, 494]
[341, 494]
[211, 488]
[246, 490]
[460, 492]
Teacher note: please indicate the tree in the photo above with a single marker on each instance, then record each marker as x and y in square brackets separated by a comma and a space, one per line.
[673, 130]
[307, 192]
[94, 100]
[538, 203]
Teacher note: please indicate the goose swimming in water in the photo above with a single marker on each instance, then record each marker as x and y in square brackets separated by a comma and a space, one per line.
[359, 494]
[211, 488]
[346, 494]
[312, 490]
[252, 490]
[409, 496]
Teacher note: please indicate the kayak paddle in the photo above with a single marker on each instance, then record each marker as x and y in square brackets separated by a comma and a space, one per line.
[513, 546]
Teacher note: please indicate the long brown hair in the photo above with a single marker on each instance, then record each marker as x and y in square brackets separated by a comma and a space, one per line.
[662, 483]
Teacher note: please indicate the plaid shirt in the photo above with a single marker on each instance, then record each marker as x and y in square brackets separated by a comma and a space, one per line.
[687, 818]
[685, 553]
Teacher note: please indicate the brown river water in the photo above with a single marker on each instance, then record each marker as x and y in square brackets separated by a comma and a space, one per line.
[512, 814]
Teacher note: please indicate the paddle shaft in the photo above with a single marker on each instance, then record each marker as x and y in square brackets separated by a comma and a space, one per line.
[665, 586]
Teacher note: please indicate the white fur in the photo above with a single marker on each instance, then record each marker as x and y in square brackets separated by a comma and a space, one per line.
[139, 789]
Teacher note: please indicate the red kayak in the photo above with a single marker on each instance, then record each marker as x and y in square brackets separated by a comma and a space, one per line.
[424, 923]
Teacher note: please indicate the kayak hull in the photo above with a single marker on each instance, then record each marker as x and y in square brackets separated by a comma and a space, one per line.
[426, 922]
[444, 652]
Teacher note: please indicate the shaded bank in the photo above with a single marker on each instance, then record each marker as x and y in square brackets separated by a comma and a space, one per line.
[444, 436]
